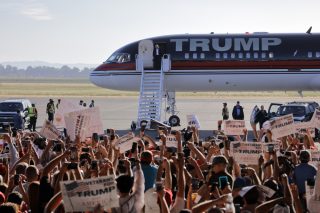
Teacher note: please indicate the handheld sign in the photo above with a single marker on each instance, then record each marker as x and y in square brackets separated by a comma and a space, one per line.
[171, 141]
[65, 107]
[193, 121]
[246, 153]
[49, 131]
[316, 119]
[76, 125]
[282, 126]
[303, 126]
[85, 195]
[124, 143]
[234, 127]
[93, 124]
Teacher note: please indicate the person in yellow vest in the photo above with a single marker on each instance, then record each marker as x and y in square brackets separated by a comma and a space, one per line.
[50, 110]
[33, 115]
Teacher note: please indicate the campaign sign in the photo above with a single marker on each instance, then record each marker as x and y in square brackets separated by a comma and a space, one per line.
[234, 127]
[49, 131]
[124, 143]
[246, 152]
[282, 126]
[85, 195]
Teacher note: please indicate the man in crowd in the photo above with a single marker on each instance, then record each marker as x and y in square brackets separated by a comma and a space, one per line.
[262, 116]
[91, 104]
[50, 110]
[33, 115]
[58, 103]
[225, 112]
[237, 112]
[18, 121]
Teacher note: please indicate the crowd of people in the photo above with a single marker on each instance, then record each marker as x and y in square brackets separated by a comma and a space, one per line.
[199, 175]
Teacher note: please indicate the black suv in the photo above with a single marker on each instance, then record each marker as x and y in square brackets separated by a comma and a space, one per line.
[302, 111]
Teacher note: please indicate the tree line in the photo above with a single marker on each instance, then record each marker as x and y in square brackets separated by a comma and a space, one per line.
[44, 72]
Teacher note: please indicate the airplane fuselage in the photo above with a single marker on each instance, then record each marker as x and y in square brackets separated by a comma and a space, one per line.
[209, 62]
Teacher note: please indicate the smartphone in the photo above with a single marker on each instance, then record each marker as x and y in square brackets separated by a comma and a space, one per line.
[95, 136]
[270, 147]
[57, 148]
[223, 182]
[72, 166]
[134, 147]
[195, 183]
[133, 162]
[85, 149]
[14, 133]
[74, 153]
[159, 186]
[200, 143]
[16, 179]
[94, 164]
[101, 137]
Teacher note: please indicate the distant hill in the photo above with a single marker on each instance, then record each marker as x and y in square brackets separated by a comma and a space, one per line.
[25, 64]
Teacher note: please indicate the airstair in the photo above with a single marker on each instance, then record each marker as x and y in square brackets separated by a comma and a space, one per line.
[151, 90]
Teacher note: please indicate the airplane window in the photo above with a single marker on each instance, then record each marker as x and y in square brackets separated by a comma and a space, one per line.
[217, 55]
[240, 55]
[202, 55]
[232, 55]
[225, 55]
[186, 55]
[248, 55]
[318, 54]
[255, 55]
[271, 55]
[195, 56]
[263, 55]
[309, 54]
[119, 58]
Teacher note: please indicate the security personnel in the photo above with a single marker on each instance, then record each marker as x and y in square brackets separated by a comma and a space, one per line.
[33, 115]
[50, 110]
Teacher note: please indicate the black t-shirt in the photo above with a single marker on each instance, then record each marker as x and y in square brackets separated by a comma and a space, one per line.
[46, 192]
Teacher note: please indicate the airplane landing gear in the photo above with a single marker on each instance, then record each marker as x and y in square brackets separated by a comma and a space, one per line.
[174, 120]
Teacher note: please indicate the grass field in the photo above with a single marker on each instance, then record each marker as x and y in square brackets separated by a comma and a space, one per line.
[83, 88]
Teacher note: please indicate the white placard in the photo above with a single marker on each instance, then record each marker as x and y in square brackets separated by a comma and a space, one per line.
[282, 126]
[124, 143]
[64, 107]
[76, 125]
[172, 141]
[85, 195]
[49, 131]
[303, 126]
[315, 157]
[246, 152]
[90, 119]
[316, 119]
[234, 127]
[193, 121]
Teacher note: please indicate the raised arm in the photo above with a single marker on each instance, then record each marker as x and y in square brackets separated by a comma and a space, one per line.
[53, 163]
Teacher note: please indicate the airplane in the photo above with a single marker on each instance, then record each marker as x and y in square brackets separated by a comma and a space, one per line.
[219, 62]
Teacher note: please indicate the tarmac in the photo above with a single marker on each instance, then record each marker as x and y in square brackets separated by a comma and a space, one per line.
[119, 112]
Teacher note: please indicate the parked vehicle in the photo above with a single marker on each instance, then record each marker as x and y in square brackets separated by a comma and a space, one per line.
[9, 108]
[302, 111]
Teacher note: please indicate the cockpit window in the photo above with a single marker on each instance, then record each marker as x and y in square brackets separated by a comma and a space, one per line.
[119, 58]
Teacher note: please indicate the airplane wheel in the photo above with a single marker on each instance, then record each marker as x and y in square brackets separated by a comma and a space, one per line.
[174, 120]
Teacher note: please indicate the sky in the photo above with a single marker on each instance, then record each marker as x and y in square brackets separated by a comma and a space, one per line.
[89, 31]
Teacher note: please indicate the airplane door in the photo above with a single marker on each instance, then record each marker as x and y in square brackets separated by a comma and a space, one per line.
[146, 51]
